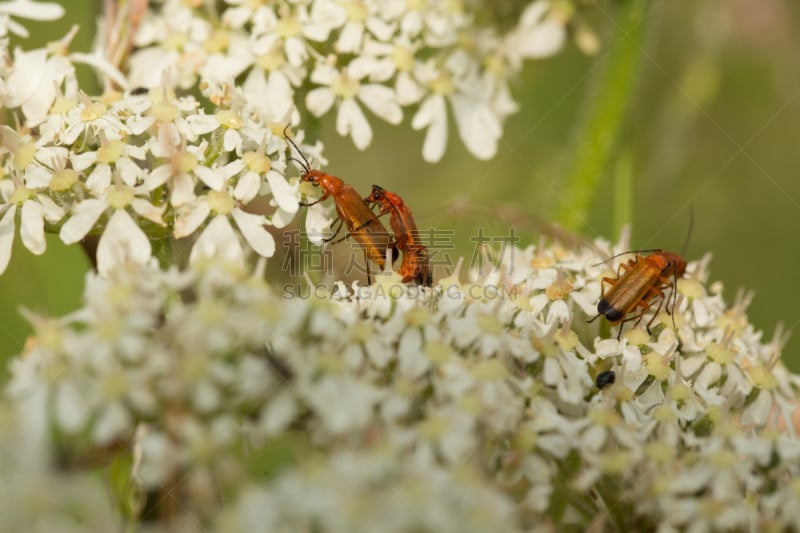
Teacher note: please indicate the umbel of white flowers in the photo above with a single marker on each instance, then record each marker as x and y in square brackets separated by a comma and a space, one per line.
[147, 162]
[467, 406]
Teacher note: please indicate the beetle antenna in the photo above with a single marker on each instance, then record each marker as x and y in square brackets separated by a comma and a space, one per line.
[302, 165]
[625, 253]
[307, 165]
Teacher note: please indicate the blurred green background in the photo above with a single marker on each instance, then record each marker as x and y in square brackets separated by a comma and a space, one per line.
[703, 100]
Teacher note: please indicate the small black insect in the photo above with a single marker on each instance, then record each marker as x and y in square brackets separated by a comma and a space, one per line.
[604, 379]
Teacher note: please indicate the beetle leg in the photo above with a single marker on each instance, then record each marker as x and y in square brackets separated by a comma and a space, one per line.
[660, 303]
[335, 233]
[610, 281]
[638, 318]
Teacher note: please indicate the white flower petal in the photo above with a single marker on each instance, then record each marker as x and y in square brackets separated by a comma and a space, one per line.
[145, 209]
[102, 65]
[71, 409]
[247, 187]
[381, 100]
[52, 156]
[139, 124]
[296, 51]
[27, 72]
[351, 120]
[112, 422]
[210, 177]
[42, 91]
[324, 74]
[129, 171]
[231, 141]
[317, 223]
[7, 226]
[182, 190]
[350, 37]
[319, 101]
[99, 180]
[31, 227]
[535, 35]
[433, 115]
[380, 28]
[477, 125]
[122, 242]
[158, 177]
[84, 216]
[148, 65]
[285, 195]
[218, 240]
[33, 10]
[82, 161]
[190, 216]
[408, 90]
[202, 124]
[254, 232]
[281, 218]
[37, 177]
[271, 96]
[221, 68]
[51, 210]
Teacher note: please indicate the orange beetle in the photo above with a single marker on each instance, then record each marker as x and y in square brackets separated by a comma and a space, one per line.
[352, 210]
[639, 283]
[415, 265]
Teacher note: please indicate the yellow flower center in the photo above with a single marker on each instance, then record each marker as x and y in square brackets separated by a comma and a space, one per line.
[257, 162]
[719, 354]
[356, 11]
[164, 112]
[63, 179]
[345, 87]
[657, 366]
[438, 352]
[443, 84]
[417, 317]
[21, 194]
[680, 392]
[110, 151]
[229, 118]
[568, 340]
[218, 42]
[403, 58]
[220, 202]
[288, 27]
[184, 162]
[490, 324]
[24, 155]
[93, 111]
[175, 41]
[762, 377]
[489, 370]
[63, 105]
[119, 196]
[271, 61]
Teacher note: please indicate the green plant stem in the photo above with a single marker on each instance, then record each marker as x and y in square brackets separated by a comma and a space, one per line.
[608, 103]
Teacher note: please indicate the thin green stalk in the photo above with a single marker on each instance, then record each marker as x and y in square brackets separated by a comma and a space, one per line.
[608, 103]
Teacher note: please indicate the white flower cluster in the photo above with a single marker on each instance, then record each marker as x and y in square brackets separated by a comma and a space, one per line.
[385, 55]
[468, 403]
[371, 491]
[142, 170]
[155, 164]
[37, 496]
